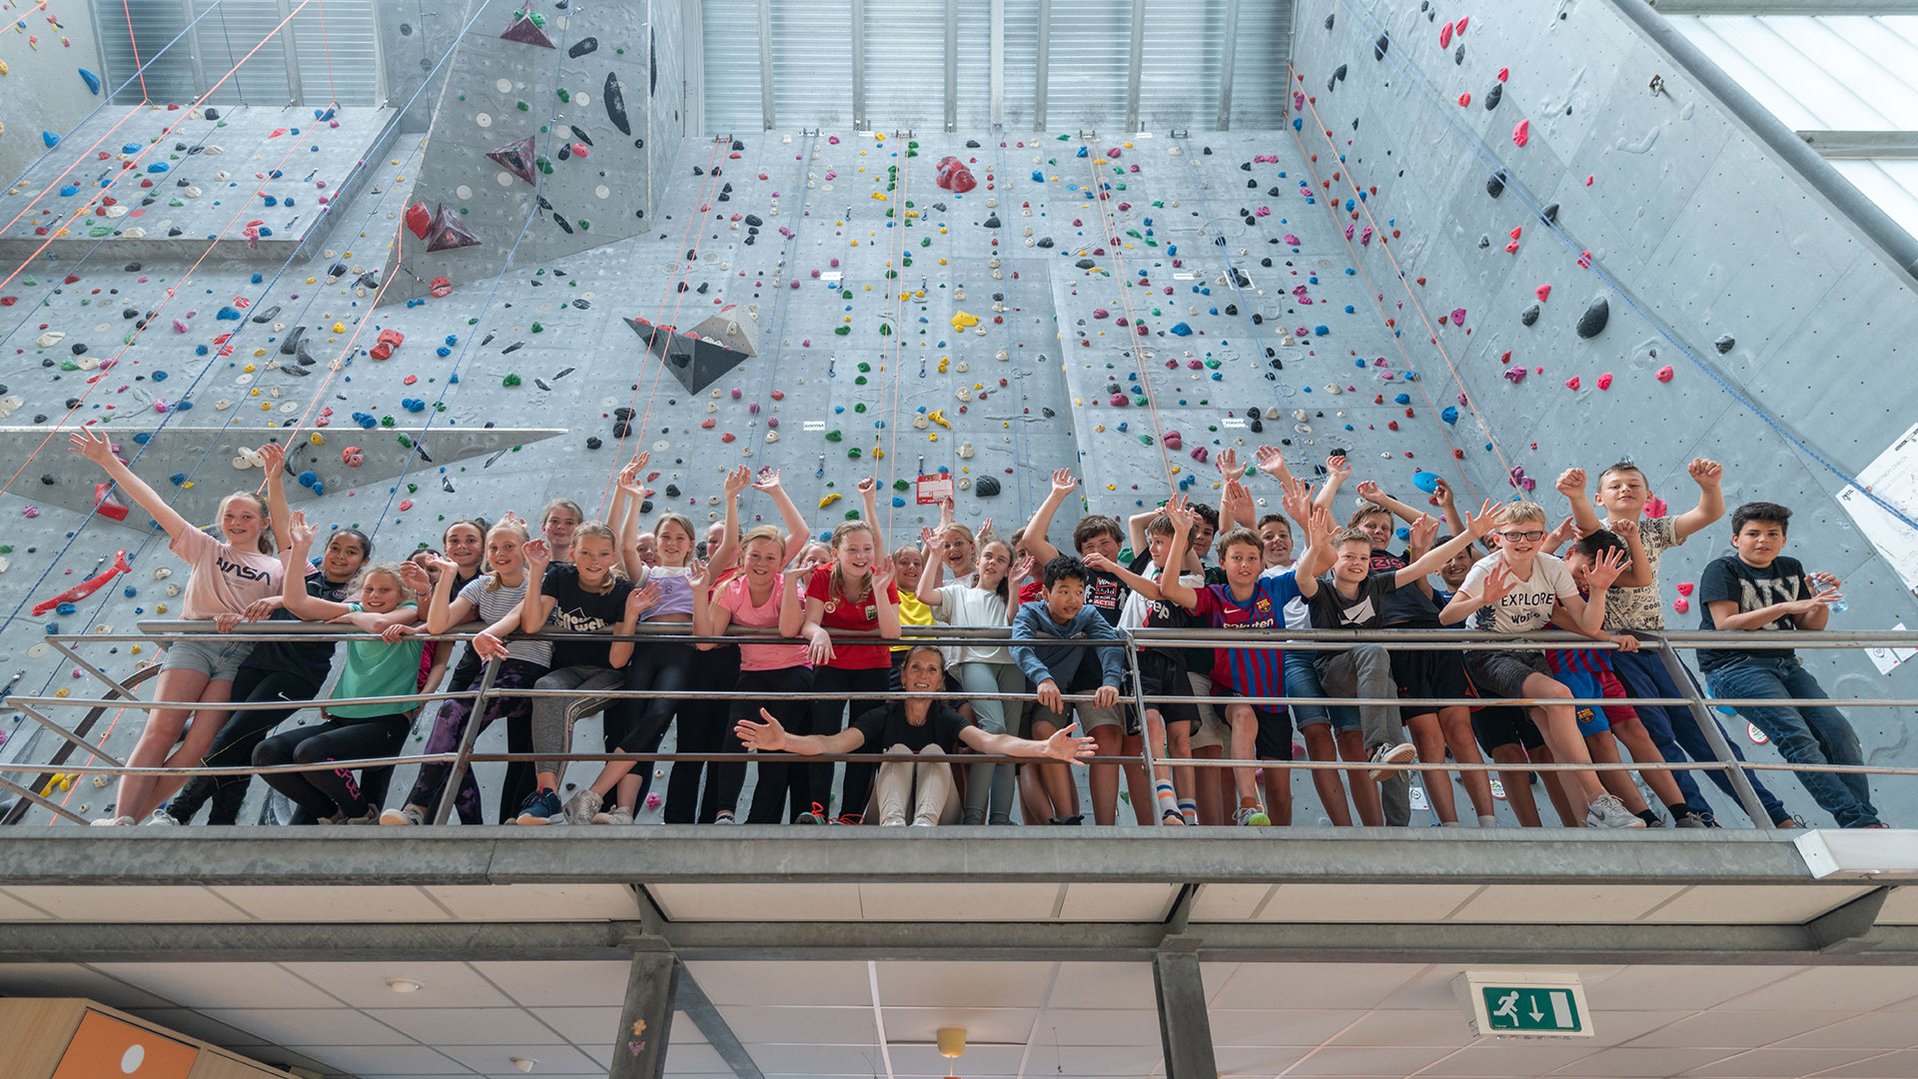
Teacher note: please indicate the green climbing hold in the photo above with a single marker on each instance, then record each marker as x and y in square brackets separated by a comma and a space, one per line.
[1145, 440]
[900, 485]
[885, 328]
[412, 488]
[404, 441]
[842, 330]
[564, 94]
[859, 380]
[845, 294]
[854, 453]
[523, 106]
[925, 241]
[544, 164]
[387, 421]
[509, 381]
[1212, 365]
[865, 367]
[537, 328]
[835, 435]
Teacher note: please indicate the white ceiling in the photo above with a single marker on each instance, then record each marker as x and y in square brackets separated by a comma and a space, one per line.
[1033, 1020]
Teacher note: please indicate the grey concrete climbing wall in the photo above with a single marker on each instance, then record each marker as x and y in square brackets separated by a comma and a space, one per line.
[1527, 168]
[538, 146]
[666, 88]
[44, 49]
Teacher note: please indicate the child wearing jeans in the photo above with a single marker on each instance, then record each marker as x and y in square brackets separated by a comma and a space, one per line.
[1758, 589]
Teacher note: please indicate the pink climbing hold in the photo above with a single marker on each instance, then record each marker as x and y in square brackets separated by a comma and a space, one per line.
[1445, 36]
[1515, 374]
[1685, 588]
[405, 504]
[1173, 440]
[1681, 605]
[1458, 316]
[1665, 373]
[1572, 383]
[1118, 400]
[1605, 381]
[1585, 259]
[1291, 240]
[1465, 99]
[1544, 293]
[1522, 132]
[1200, 454]
[1458, 28]
[1512, 248]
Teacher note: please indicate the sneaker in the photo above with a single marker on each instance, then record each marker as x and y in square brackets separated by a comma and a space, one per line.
[1606, 811]
[816, 815]
[921, 822]
[850, 818]
[615, 815]
[1390, 753]
[371, 816]
[541, 807]
[893, 822]
[1073, 821]
[724, 816]
[403, 817]
[1252, 817]
[112, 822]
[582, 805]
[1688, 819]
[1875, 824]
[1172, 817]
[161, 818]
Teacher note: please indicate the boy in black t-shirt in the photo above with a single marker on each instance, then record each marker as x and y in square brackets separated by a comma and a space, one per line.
[1760, 590]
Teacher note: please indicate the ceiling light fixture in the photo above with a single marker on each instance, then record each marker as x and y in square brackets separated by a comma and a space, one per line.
[522, 1063]
[403, 985]
[952, 1046]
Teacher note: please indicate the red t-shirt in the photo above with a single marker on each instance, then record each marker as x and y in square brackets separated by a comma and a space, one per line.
[853, 618]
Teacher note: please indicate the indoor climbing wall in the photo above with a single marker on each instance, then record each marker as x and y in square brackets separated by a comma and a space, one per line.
[538, 145]
[1597, 262]
[50, 76]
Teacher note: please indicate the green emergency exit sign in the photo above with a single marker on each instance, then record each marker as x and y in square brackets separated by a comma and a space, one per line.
[1531, 1009]
[1524, 1003]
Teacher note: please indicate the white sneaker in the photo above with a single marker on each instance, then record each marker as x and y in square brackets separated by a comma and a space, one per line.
[921, 822]
[1606, 811]
[615, 815]
[112, 822]
[893, 822]
[1400, 753]
[581, 807]
[402, 817]
[724, 817]
[161, 818]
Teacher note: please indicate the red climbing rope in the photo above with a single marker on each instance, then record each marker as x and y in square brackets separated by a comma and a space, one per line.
[899, 344]
[1385, 244]
[139, 68]
[127, 166]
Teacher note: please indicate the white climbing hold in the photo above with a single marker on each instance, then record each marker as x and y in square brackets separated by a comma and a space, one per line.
[51, 338]
[965, 451]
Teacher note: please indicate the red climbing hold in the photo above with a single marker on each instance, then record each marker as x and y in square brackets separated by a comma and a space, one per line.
[419, 219]
[1504, 73]
[87, 587]
[1665, 373]
[1605, 381]
[1572, 383]
[106, 504]
[441, 288]
[1445, 36]
[1544, 293]
[387, 342]
[1465, 99]
[1522, 132]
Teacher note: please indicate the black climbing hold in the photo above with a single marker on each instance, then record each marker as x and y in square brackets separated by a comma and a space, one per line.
[581, 135]
[1549, 214]
[1378, 47]
[562, 223]
[211, 114]
[582, 47]
[1338, 73]
[1592, 322]
[622, 413]
[266, 316]
[1207, 151]
[47, 480]
[1245, 166]
[1328, 21]
[1493, 96]
[1723, 345]
[616, 105]
[972, 144]
[512, 348]
[986, 486]
[672, 490]
[1048, 412]
[992, 222]
[622, 429]
[1458, 56]
[541, 383]
[738, 145]
[646, 506]
[1530, 315]
[754, 220]
[337, 270]
[593, 443]
[1085, 264]
[1496, 185]
[132, 267]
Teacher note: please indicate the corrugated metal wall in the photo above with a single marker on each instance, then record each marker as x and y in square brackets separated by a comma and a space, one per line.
[338, 55]
[905, 64]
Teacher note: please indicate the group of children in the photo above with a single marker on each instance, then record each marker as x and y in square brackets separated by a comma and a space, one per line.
[584, 609]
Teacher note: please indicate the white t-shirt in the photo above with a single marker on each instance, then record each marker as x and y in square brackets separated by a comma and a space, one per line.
[1641, 608]
[962, 605]
[1529, 607]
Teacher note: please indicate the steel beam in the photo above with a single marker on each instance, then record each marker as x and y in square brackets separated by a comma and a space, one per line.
[690, 854]
[1228, 59]
[1862, 145]
[1185, 1029]
[1135, 66]
[767, 114]
[713, 1026]
[1044, 66]
[289, 44]
[1813, 943]
[646, 1018]
[193, 47]
[1785, 7]
[858, 32]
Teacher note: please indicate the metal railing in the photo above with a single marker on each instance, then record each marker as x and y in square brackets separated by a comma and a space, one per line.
[121, 695]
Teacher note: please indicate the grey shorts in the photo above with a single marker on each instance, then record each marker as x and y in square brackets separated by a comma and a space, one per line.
[1212, 730]
[216, 657]
[1503, 673]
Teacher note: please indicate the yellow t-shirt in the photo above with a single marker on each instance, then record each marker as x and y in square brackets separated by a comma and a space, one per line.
[912, 612]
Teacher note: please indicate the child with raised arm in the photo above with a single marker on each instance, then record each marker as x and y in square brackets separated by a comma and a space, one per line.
[1634, 606]
[232, 579]
[384, 665]
[1759, 589]
[1355, 596]
[1519, 590]
[921, 733]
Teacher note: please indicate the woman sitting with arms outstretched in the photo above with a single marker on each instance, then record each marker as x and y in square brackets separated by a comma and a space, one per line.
[921, 732]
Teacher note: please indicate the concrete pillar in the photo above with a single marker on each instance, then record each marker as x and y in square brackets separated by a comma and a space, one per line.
[1185, 1030]
[646, 1020]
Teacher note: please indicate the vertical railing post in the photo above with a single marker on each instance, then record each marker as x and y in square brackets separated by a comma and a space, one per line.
[1138, 698]
[1721, 749]
[450, 793]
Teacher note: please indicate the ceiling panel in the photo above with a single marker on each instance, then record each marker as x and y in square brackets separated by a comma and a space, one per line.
[591, 1026]
[1574, 904]
[1235, 902]
[958, 902]
[1049, 1060]
[1738, 1029]
[1516, 1059]
[821, 1026]
[442, 985]
[1695, 987]
[554, 1059]
[18, 910]
[73, 980]
[964, 984]
[752, 902]
[1445, 1028]
[555, 985]
[981, 1024]
[1118, 902]
[1782, 1063]
[1853, 989]
[386, 1060]
[328, 904]
[1357, 903]
[1754, 904]
[1317, 985]
[132, 903]
[310, 1026]
[1245, 1026]
[1879, 1030]
[1900, 1065]
[1367, 1060]
[825, 983]
[470, 1026]
[1632, 1063]
[538, 902]
[222, 985]
[1103, 985]
[1099, 1026]
[924, 1059]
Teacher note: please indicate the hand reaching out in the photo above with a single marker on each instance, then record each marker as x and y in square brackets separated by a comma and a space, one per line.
[1337, 468]
[1424, 531]
[1272, 462]
[1706, 473]
[1063, 481]
[767, 481]
[737, 480]
[415, 577]
[1065, 746]
[1442, 492]
[273, 458]
[1606, 568]
[1499, 583]
[1485, 520]
[94, 447]
[299, 534]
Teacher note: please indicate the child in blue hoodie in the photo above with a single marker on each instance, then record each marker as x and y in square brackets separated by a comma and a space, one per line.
[1057, 670]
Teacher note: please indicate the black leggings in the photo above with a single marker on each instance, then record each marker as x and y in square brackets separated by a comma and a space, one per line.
[242, 735]
[664, 670]
[780, 785]
[705, 726]
[325, 792]
[848, 689]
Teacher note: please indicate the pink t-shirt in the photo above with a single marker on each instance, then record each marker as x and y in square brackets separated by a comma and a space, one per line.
[736, 596]
[224, 580]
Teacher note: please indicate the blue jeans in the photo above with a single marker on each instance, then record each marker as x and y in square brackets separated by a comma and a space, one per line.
[1676, 733]
[1804, 734]
[1302, 680]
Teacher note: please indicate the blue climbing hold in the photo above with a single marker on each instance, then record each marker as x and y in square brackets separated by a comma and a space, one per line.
[413, 404]
[1321, 331]
[1449, 414]
[158, 376]
[1402, 399]
[158, 166]
[258, 277]
[228, 314]
[309, 478]
[142, 438]
[1038, 177]
[92, 80]
[177, 479]
[1180, 329]
[365, 420]
[1425, 481]
[50, 139]
[70, 189]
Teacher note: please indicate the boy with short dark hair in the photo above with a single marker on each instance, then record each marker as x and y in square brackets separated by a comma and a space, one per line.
[1057, 670]
[1519, 590]
[1634, 606]
[1760, 589]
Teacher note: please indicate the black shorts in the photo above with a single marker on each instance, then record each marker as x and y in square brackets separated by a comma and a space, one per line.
[1163, 676]
[1274, 741]
[1426, 674]
[1503, 673]
[1504, 725]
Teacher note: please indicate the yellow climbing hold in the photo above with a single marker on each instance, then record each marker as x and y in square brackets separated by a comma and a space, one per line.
[316, 439]
[339, 327]
[938, 416]
[830, 499]
[880, 196]
[964, 321]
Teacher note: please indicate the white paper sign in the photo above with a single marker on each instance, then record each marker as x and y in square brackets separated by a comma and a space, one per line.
[934, 488]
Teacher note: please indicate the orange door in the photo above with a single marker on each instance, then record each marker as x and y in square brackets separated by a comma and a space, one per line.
[106, 1048]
